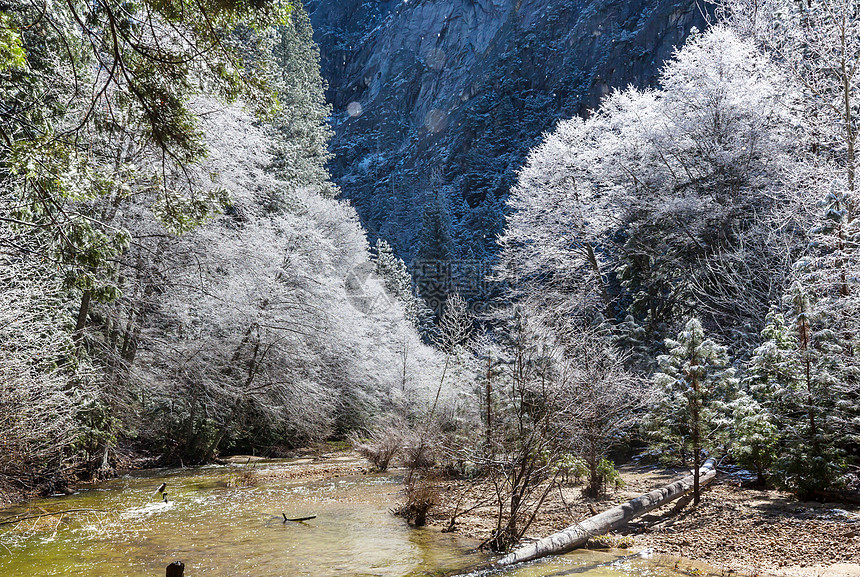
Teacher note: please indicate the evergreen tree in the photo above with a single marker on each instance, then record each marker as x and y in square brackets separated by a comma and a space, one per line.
[763, 412]
[435, 243]
[818, 45]
[398, 282]
[756, 437]
[631, 337]
[301, 124]
[652, 206]
[435, 252]
[793, 423]
[817, 410]
[827, 308]
[97, 108]
[695, 384]
[101, 133]
[773, 374]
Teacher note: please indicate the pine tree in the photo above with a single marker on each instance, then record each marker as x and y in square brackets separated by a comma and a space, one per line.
[817, 44]
[398, 282]
[772, 363]
[792, 379]
[435, 243]
[695, 385]
[435, 252]
[301, 124]
[755, 437]
[774, 372]
[817, 422]
[631, 337]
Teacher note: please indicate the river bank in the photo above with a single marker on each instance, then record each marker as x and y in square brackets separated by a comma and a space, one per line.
[737, 530]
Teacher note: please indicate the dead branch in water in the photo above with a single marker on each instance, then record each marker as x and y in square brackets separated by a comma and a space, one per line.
[50, 514]
[298, 519]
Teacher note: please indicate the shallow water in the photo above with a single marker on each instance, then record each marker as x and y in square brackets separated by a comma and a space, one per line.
[217, 529]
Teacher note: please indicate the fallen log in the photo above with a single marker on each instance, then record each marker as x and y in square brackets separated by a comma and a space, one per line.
[298, 519]
[614, 518]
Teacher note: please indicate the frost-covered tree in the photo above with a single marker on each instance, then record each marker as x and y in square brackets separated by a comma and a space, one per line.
[85, 75]
[774, 371]
[603, 400]
[695, 386]
[816, 43]
[780, 421]
[814, 407]
[191, 248]
[552, 242]
[663, 201]
[265, 333]
[44, 392]
[453, 338]
[700, 233]
[398, 282]
[99, 144]
[550, 393]
[826, 309]
[755, 435]
[527, 436]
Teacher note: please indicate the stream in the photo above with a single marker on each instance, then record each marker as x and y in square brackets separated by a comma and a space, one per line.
[219, 525]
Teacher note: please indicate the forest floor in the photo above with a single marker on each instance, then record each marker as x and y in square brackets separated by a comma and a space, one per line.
[734, 529]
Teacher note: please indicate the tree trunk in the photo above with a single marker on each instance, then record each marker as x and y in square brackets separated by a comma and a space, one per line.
[577, 535]
[696, 477]
[81, 321]
[594, 480]
[489, 403]
[697, 437]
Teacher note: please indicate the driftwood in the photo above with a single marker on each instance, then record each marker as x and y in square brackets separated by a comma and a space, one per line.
[298, 519]
[39, 516]
[577, 535]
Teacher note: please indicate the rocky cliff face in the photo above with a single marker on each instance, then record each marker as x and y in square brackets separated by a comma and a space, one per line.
[436, 102]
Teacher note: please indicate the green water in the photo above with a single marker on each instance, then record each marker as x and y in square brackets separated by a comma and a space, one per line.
[218, 529]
